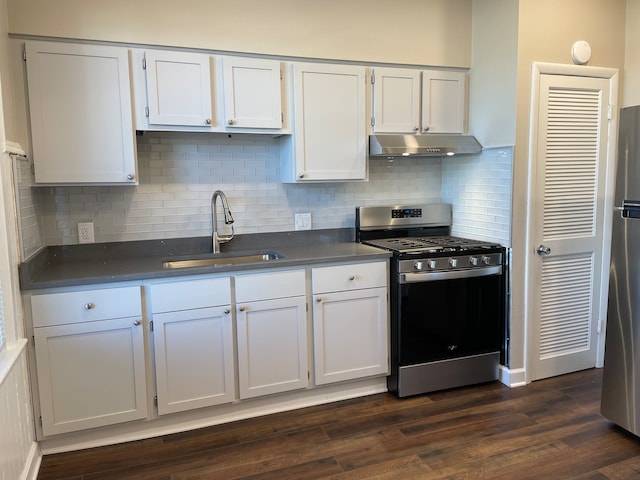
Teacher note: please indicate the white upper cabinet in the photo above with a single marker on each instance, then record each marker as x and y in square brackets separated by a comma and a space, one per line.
[396, 100]
[329, 141]
[415, 101]
[80, 112]
[252, 93]
[187, 91]
[444, 102]
[178, 88]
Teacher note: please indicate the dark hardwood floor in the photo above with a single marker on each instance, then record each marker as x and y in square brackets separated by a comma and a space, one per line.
[550, 429]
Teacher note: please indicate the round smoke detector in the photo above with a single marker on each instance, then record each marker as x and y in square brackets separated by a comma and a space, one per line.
[581, 52]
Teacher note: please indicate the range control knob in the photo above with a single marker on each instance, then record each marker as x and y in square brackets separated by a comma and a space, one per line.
[474, 261]
[432, 264]
[453, 262]
[486, 260]
[418, 265]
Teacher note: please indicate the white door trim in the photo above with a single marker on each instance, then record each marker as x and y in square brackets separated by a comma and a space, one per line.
[538, 69]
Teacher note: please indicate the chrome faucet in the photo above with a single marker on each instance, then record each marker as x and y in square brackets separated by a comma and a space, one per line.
[216, 239]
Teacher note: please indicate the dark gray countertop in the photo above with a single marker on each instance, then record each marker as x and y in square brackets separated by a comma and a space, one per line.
[74, 265]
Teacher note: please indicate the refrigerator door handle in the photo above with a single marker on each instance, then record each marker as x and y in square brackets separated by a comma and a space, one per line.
[630, 208]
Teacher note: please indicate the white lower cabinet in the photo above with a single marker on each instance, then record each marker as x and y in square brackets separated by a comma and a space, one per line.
[94, 364]
[193, 344]
[271, 314]
[350, 322]
[89, 348]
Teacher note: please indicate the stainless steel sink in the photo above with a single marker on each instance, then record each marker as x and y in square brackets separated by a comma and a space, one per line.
[221, 260]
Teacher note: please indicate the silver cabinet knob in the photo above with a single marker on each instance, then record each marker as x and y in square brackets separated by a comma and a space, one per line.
[131, 176]
[318, 300]
[543, 250]
[227, 311]
[352, 278]
[242, 309]
[231, 121]
[208, 121]
[416, 129]
[89, 306]
[136, 323]
[301, 175]
[426, 128]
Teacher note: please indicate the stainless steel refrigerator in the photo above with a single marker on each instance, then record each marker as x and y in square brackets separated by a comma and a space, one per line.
[621, 375]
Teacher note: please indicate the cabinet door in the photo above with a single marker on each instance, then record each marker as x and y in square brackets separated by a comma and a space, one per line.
[272, 346]
[252, 93]
[350, 335]
[444, 102]
[90, 374]
[330, 141]
[80, 113]
[194, 358]
[396, 100]
[178, 88]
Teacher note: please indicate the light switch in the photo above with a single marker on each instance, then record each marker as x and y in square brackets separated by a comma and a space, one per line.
[303, 221]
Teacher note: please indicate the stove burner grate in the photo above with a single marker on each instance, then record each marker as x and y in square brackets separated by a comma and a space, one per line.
[430, 244]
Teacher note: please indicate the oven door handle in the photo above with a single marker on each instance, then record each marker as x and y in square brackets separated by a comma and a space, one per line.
[449, 275]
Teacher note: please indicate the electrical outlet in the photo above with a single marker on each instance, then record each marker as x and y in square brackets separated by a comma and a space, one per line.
[302, 221]
[85, 232]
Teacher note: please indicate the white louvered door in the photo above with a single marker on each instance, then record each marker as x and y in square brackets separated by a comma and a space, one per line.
[568, 215]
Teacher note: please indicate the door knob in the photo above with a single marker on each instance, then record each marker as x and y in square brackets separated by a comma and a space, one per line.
[543, 250]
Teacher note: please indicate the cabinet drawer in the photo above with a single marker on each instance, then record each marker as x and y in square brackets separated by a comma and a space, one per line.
[85, 306]
[174, 296]
[266, 286]
[349, 277]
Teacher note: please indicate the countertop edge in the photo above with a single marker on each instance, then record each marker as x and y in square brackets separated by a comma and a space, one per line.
[44, 274]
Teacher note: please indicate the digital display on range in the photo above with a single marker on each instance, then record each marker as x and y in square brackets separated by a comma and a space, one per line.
[406, 213]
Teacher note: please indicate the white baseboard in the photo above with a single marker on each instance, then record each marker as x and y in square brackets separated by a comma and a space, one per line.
[512, 377]
[32, 465]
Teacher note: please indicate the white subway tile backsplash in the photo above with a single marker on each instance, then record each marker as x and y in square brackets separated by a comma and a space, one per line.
[179, 171]
[479, 188]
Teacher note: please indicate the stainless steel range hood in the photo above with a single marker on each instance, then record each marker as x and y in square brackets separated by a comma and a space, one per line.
[431, 145]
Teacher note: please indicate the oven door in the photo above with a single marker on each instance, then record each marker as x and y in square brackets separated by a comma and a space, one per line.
[448, 315]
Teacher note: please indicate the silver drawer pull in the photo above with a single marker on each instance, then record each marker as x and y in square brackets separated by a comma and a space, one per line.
[89, 306]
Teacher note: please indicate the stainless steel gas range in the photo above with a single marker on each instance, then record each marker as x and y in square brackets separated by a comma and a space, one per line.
[447, 298]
